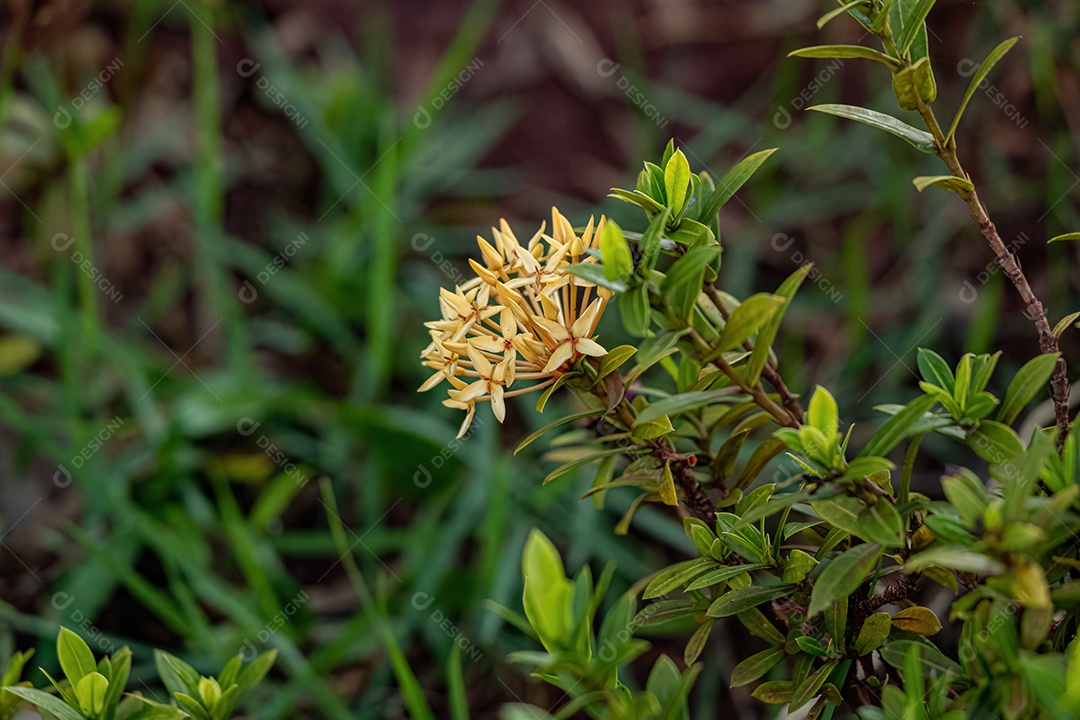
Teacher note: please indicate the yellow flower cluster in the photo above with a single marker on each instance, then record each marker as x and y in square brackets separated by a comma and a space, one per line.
[523, 318]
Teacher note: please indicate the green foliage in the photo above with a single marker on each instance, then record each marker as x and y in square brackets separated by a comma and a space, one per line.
[826, 567]
[95, 690]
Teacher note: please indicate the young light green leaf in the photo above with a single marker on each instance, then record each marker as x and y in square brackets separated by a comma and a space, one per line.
[976, 81]
[548, 592]
[1066, 236]
[746, 320]
[676, 182]
[843, 576]
[76, 660]
[823, 413]
[618, 262]
[1029, 380]
[846, 51]
[91, 691]
[945, 182]
[697, 641]
[597, 275]
[919, 139]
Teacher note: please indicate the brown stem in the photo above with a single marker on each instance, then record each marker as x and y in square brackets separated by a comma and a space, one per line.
[1010, 264]
[770, 373]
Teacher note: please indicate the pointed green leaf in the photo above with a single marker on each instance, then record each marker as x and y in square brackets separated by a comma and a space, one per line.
[976, 81]
[843, 576]
[618, 263]
[747, 319]
[676, 181]
[755, 666]
[76, 660]
[874, 632]
[946, 182]
[731, 182]
[846, 51]
[914, 20]
[1029, 380]
[918, 139]
[737, 601]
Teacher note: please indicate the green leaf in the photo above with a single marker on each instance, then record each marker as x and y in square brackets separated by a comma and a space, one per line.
[994, 442]
[597, 275]
[737, 601]
[881, 523]
[896, 428]
[832, 14]
[650, 239]
[755, 666]
[968, 496]
[843, 576]
[919, 620]
[253, 673]
[813, 646]
[823, 413]
[676, 576]
[935, 370]
[76, 660]
[634, 310]
[976, 81]
[692, 233]
[913, 23]
[798, 566]
[697, 641]
[774, 692]
[930, 657]
[874, 632]
[1029, 380]
[681, 403]
[91, 691]
[914, 84]
[954, 558]
[946, 182]
[731, 182]
[722, 574]
[558, 423]
[676, 181]
[1065, 322]
[638, 198]
[548, 592]
[746, 320]
[615, 359]
[50, 703]
[573, 464]
[810, 687]
[1066, 236]
[767, 333]
[618, 262]
[685, 277]
[918, 139]
[846, 51]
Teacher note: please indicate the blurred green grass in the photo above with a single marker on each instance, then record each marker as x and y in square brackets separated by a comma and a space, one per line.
[188, 529]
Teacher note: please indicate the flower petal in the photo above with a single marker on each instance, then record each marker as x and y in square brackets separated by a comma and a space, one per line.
[498, 407]
[562, 353]
[585, 346]
[481, 363]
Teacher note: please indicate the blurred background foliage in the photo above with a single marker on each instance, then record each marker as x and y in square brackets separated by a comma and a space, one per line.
[224, 223]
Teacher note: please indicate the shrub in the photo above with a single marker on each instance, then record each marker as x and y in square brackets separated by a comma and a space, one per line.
[827, 566]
